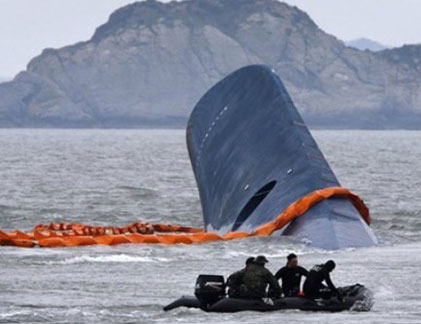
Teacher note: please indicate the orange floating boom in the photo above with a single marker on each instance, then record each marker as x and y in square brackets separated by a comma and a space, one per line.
[62, 235]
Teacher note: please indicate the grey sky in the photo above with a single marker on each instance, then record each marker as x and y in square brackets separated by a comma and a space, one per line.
[28, 26]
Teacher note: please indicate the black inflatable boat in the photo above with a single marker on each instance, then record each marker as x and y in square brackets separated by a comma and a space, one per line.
[355, 298]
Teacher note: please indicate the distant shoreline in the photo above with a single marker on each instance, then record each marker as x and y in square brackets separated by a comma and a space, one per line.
[184, 128]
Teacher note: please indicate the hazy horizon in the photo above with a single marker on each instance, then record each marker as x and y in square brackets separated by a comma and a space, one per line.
[76, 20]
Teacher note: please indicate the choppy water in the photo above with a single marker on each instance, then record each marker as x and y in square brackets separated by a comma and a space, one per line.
[121, 176]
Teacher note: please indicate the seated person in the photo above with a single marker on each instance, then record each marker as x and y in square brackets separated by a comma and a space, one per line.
[257, 278]
[291, 275]
[314, 287]
[236, 287]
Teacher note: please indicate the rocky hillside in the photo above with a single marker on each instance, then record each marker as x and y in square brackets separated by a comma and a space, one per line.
[150, 63]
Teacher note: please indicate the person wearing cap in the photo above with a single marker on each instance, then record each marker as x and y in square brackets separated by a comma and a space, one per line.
[291, 275]
[314, 287]
[257, 278]
[236, 287]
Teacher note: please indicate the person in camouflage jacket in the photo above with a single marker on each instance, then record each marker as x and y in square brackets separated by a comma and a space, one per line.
[257, 278]
[236, 287]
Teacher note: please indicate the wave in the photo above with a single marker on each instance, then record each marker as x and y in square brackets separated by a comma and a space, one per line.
[115, 258]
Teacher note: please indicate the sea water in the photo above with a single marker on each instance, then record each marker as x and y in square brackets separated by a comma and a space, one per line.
[115, 177]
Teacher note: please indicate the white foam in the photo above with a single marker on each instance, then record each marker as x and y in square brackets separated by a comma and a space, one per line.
[12, 314]
[115, 258]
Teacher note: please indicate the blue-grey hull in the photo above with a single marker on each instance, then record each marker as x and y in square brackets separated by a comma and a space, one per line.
[253, 156]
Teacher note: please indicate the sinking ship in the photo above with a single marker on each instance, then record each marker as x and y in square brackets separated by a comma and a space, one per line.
[253, 156]
[259, 173]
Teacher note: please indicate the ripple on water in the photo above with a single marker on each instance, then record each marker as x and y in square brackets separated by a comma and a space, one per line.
[121, 176]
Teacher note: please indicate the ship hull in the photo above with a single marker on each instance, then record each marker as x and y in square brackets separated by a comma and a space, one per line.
[253, 156]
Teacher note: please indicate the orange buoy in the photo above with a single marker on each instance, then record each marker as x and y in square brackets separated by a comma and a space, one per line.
[63, 234]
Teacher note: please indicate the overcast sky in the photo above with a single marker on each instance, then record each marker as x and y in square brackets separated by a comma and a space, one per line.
[28, 26]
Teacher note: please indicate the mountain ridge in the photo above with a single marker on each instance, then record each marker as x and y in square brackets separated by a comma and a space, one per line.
[150, 62]
[366, 44]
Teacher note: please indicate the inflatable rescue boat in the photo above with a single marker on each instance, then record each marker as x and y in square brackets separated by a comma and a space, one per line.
[210, 297]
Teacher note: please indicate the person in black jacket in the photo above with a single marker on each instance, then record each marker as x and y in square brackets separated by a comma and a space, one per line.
[314, 287]
[291, 275]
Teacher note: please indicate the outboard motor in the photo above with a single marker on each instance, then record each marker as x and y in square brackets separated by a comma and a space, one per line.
[209, 289]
